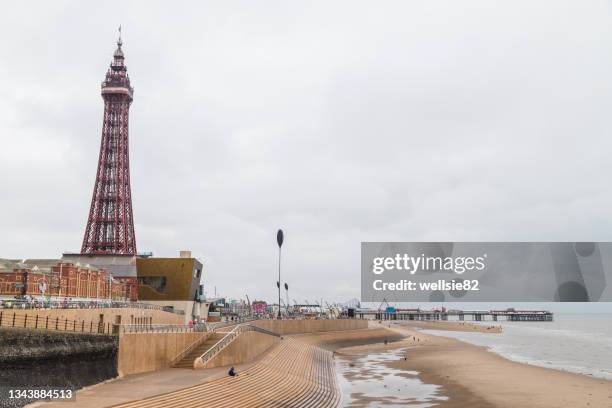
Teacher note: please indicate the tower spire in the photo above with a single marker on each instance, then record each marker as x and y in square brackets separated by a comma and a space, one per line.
[119, 41]
[118, 55]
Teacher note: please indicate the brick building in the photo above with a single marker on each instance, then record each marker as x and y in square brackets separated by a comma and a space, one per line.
[58, 280]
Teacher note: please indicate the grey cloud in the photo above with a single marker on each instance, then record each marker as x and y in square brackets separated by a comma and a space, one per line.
[341, 122]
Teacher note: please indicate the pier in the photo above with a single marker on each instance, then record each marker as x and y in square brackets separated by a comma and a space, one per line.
[510, 315]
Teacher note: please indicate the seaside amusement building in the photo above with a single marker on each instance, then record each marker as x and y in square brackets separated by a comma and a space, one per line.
[110, 241]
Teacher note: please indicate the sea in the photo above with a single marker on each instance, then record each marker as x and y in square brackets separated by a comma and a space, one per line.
[578, 343]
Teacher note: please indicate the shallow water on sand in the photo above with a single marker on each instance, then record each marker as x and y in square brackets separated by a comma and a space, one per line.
[366, 380]
[577, 343]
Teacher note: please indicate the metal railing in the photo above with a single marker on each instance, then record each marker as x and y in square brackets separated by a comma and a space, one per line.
[211, 328]
[162, 328]
[218, 325]
[189, 349]
[45, 322]
[229, 337]
[264, 331]
[179, 328]
[40, 304]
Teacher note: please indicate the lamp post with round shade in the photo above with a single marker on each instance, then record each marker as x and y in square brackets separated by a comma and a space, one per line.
[279, 240]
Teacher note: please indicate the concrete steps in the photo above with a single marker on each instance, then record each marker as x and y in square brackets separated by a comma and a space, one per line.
[293, 374]
[187, 361]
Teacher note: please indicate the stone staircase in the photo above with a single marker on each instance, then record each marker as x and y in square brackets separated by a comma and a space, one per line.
[187, 361]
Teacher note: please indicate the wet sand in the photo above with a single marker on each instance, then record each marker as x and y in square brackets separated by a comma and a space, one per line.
[470, 375]
[366, 378]
[451, 326]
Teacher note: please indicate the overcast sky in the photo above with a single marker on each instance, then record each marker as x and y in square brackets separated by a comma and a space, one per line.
[340, 122]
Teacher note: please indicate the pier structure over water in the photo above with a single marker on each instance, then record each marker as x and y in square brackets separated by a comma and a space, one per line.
[511, 315]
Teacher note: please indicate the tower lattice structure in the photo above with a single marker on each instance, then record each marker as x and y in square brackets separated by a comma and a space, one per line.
[110, 226]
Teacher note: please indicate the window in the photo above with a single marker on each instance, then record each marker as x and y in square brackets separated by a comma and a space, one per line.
[157, 283]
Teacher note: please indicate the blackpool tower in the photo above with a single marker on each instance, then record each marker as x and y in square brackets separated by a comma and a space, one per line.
[110, 226]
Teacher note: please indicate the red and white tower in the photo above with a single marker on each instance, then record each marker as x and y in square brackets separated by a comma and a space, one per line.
[110, 227]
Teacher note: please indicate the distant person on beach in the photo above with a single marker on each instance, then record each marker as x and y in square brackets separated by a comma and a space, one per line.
[232, 372]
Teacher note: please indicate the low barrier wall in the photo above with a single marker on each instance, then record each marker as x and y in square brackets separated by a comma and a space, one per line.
[107, 315]
[244, 348]
[142, 352]
[284, 327]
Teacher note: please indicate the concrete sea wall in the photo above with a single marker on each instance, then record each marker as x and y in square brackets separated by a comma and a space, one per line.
[142, 352]
[244, 348]
[249, 345]
[31, 359]
[286, 327]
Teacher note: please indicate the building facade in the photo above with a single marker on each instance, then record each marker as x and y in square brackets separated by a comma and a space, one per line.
[58, 280]
[121, 267]
[259, 307]
[171, 282]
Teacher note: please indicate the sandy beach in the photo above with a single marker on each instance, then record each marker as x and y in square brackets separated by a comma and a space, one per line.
[451, 326]
[470, 375]
[397, 365]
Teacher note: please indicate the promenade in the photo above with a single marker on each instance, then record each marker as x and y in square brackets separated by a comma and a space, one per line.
[292, 374]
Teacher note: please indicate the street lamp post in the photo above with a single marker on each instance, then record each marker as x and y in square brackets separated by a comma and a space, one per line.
[287, 297]
[279, 240]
